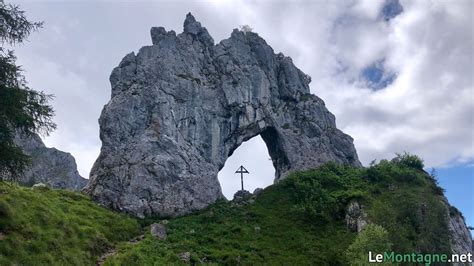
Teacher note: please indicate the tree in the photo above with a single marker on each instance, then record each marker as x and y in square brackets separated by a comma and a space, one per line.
[373, 238]
[21, 108]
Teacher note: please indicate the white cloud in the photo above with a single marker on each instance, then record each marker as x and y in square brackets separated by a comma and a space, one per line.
[427, 110]
[76, 108]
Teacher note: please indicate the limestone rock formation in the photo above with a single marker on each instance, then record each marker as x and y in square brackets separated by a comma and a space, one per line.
[356, 218]
[180, 107]
[54, 168]
[461, 239]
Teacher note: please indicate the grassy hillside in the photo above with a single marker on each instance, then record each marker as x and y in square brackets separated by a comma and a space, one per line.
[301, 220]
[298, 221]
[56, 227]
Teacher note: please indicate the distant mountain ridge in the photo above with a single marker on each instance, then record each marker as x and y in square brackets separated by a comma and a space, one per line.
[55, 168]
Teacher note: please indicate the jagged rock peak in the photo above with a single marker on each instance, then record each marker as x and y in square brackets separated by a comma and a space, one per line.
[180, 107]
[191, 27]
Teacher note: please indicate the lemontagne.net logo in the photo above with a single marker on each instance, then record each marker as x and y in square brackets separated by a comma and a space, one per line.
[426, 259]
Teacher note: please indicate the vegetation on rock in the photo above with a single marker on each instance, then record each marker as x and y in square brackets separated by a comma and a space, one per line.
[301, 221]
[298, 221]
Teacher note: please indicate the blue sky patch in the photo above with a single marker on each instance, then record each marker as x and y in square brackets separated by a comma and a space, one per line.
[458, 181]
[391, 9]
[376, 76]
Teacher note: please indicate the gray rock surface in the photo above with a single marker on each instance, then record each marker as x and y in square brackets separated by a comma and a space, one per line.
[461, 239]
[52, 167]
[356, 218]
[242, 196]
[257, 191]
[180, 107]
[158, 230]
[185, 256]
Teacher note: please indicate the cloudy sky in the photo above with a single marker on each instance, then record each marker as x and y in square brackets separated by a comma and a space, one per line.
[397, 75]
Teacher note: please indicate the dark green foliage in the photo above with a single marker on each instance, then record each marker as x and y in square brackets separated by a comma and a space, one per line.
[21, 108]
[266, 232]
[409, 160]
[373, 238]
[391, 171]
[453, 211]
[301, 221]
[56, 227]
[408, 205]
[434, 178]
[323, 193]
[15, 28]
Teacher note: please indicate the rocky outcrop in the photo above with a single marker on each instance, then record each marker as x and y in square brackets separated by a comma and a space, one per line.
[257, 192]
[242, 197]
[180, 107]
[356, 218]
[158, 231]
[52, 167]
[461, 239]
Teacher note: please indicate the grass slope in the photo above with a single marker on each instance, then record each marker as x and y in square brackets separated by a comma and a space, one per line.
[56, 227]
[295, 222]
[301, 220]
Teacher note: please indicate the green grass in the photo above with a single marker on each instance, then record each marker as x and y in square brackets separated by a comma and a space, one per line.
[56, 227]
[299, 221]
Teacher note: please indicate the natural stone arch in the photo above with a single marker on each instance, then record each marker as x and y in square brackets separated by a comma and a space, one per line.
[274, 146]
[180, 107]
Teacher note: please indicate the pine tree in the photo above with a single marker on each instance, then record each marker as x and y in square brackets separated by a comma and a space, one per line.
[21, 108]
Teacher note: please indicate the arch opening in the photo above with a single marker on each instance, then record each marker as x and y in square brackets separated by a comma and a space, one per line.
[254, 156]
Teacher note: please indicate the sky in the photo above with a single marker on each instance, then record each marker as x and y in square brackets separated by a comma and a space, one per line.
[398, 75]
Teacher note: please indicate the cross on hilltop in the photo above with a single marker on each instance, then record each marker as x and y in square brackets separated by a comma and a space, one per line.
[241, 170]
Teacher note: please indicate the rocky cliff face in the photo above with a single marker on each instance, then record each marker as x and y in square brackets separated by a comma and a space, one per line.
[50, 166]
[180, 107]
[461, 239]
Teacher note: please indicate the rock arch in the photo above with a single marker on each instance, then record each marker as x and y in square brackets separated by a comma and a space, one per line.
[181, 106]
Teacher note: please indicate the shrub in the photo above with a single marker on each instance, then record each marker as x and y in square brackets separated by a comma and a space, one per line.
[453, 211]
[408, 160]
[5, 214]
[373, 238]
[312, 199]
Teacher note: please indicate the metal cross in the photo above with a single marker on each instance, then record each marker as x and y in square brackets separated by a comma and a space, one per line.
[242, 171]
